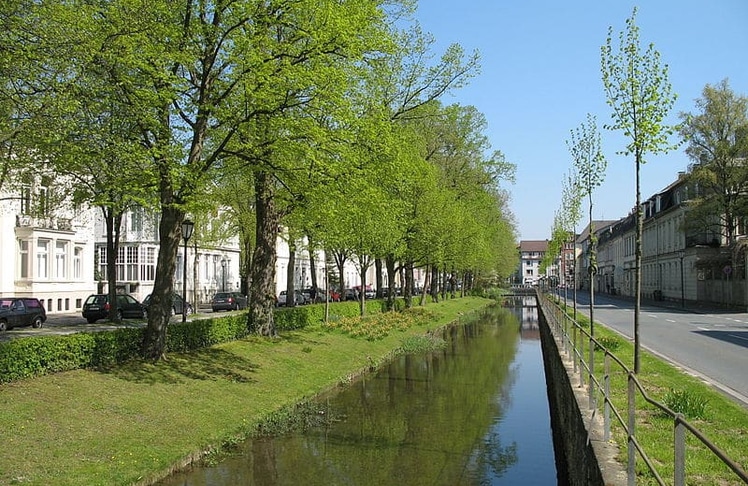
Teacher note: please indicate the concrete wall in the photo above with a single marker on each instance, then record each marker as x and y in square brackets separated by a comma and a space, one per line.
[577, 431]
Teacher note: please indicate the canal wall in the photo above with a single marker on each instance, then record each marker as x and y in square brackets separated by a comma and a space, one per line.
[577, 431]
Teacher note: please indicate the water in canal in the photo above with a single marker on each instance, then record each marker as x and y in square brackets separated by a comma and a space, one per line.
[475, 413]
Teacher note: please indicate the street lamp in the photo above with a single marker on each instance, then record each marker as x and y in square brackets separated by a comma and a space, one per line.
[681, 254]
[187, 227]
[223, 265]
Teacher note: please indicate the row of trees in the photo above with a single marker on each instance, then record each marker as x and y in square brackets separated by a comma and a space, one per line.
[640, 96]
[319, 116]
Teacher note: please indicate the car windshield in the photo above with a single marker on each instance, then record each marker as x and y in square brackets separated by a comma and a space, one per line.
[222, 295]
[96, 299]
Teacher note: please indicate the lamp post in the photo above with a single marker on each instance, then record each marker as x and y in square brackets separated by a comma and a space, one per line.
[223, 266]
[681, 254]
[187, 227]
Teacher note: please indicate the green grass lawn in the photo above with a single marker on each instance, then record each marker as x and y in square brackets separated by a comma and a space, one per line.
[134, 423]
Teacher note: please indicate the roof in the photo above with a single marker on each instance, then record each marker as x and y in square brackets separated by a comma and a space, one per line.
[533, 245]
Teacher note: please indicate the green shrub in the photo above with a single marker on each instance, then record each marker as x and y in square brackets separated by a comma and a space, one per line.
[608, 342]
[691, 405]
[34, 356]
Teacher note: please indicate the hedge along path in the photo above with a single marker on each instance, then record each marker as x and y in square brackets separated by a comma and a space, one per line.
[134, 423]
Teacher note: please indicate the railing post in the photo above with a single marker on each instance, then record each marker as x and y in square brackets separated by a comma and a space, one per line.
[606, 402]
[631, 464]
[574, 349]
[679, 442]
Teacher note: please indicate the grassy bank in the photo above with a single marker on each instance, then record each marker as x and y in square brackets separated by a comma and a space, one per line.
[133, 423]
[721, 419]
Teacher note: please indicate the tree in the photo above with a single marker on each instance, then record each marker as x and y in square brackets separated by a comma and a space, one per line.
[639, 93]
[717, 142]
[590, 164]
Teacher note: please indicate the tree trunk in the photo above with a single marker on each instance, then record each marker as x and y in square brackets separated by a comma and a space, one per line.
[246, 265]
[638, 264]
[390, 262]
[408, 285]
[262, 275]
[313, 269]
[291, 276]
[429, 287]
[378, 276]
[340, 259]
[113, 225]
[362, 296]
[159, 310]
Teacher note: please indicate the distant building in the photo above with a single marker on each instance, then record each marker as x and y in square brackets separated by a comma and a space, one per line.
[531, 253]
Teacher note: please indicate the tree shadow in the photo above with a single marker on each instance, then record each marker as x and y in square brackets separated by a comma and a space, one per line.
[739, 338]
[207, 364]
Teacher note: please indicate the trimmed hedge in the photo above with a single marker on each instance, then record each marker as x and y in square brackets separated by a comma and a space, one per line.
[35, 356]
[290, 318]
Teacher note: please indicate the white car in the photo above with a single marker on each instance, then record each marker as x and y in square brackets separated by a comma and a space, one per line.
[300, 299]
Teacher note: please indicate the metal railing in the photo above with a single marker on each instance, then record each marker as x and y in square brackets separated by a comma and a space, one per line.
[573, 337]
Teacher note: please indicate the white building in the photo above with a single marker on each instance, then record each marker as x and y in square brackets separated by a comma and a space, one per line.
[46, 246]
[57, 253]
[531, 253]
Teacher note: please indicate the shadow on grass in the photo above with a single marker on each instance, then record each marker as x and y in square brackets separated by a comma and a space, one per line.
[207, 364]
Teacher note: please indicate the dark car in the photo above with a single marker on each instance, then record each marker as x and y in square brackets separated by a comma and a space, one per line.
[21, 311]
[177, 303]
[97, 307]
[228, 301]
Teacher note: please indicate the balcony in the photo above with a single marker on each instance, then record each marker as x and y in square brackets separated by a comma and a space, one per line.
[60, 224]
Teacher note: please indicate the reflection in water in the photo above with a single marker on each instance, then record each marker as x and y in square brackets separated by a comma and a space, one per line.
[474, 413]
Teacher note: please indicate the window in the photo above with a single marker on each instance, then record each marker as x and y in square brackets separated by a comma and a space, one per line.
[529, 271]
[77, 263]
[120, 264]
[102, 262]
[26, 196]
[132, 263]
[148, 269]
[23, 250]
[42, 259]
[45, 194]
[61, 250]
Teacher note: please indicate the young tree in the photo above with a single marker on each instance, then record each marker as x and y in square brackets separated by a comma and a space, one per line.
[639, 93]
[717, 142]
[590, 164]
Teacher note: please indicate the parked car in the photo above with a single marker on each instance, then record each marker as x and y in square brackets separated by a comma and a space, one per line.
[21, 311]
[97, 307]
[350, 294]
[177, 303]
[228, 301]
[299, 300]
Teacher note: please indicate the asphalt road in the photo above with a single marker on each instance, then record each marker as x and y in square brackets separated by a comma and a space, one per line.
[709, 343]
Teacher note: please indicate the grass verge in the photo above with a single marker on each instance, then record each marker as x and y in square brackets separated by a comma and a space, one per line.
[723, 421]
[133, 424]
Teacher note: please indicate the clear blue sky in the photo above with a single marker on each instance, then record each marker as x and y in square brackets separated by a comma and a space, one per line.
[540, 76]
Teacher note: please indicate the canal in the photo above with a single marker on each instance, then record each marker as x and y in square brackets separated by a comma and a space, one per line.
[474, 413]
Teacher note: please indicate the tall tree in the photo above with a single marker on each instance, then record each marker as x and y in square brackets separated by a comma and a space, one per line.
[639, 93]
[717, 141]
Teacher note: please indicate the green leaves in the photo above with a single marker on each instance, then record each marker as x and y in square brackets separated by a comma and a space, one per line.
[638, 91]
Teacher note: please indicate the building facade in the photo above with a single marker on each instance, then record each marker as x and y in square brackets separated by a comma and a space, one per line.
[531, 253]
[46, 246]
[676, 265]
